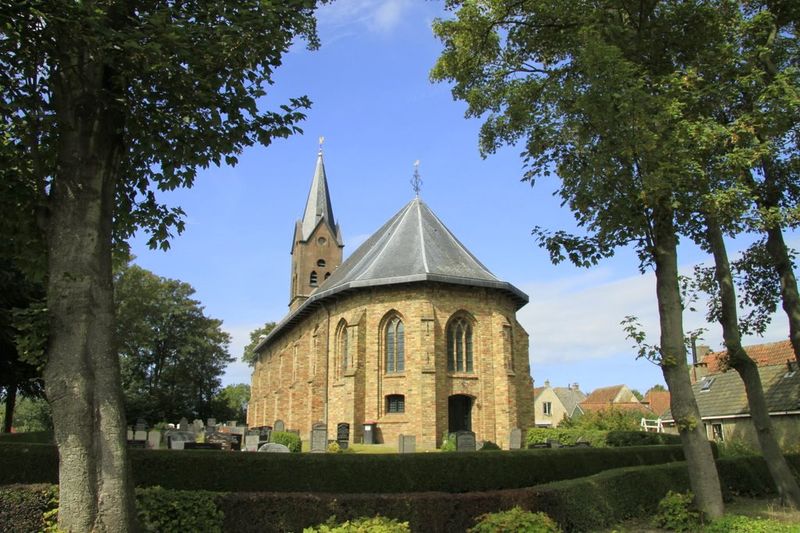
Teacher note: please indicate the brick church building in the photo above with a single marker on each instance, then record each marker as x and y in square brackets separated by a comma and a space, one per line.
[412, 333]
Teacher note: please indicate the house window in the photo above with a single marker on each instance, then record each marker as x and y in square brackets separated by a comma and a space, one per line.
[395, 346]
[459, 346]
[321, 263]
[395, 403]
[313, 279]
[547, 408]
[716, 432]
[705, 385]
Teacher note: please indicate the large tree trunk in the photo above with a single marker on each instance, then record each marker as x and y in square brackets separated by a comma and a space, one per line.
[790, 297]
[703, 475]
[11, 404]
[82, 374]
[748, 371]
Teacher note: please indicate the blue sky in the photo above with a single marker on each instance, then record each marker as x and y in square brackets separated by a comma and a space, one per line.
[379, 113]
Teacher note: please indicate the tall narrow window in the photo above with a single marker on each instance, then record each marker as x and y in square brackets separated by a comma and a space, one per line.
[342, 351]
[313, 279]
[459, 346]
[395, 346]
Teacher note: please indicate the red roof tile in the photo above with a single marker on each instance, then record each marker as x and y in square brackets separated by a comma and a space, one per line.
[767, 354]
[603, 395]
[658, 401]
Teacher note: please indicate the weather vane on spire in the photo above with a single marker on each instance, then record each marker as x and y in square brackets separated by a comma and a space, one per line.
[416, 180]
[321, 140]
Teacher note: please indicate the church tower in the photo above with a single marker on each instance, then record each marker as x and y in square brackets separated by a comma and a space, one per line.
[317, 243]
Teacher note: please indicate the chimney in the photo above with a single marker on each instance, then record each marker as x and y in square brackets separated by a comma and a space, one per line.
[547, 383]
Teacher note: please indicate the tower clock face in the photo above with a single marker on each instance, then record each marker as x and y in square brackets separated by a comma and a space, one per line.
[321, 241]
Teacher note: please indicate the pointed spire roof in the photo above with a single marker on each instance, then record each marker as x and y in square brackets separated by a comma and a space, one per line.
[413, 246]
[318, 205]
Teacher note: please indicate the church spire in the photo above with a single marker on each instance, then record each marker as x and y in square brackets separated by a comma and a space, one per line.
[318, 205]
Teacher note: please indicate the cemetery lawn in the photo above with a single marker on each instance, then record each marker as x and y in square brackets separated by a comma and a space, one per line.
[752, 507]
[373, 448]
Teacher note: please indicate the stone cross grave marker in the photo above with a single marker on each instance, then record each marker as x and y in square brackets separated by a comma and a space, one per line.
[515, 439]
[319, 438]
[465, 441]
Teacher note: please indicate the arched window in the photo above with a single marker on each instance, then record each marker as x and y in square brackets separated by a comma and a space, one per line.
[459, 346]
[321, 263]
[313, 279]
[342, 350]
[395, 345]
[395, 403]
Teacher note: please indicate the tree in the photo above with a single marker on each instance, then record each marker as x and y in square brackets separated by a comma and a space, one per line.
[611, 419]
[172, 356]
[231, 402]
[256, 336]
[594, 93]
[658, 387]
[105, 103]
[639, 396]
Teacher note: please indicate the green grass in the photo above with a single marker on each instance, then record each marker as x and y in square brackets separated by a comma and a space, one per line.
[34, 437]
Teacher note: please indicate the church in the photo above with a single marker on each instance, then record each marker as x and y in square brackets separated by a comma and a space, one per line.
[411, 334]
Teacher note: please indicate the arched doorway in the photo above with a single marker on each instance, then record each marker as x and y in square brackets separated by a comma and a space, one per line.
[459, 413]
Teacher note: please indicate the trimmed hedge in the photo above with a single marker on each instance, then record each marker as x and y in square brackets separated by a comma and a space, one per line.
[346, 473]
[585, 504]
[599, 438]
[22, 506]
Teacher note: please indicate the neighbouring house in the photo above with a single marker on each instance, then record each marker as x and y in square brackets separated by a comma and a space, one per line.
[554, 404]
[411, 335]
[616, 396]
[723, 403]
[657, 401]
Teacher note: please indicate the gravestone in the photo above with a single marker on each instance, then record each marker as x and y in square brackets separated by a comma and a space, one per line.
[176, 438]
[137, 443]
[319, 438]
[251, 442]
[140, 434]
[141, 425]
[465, 441]
[343, 435]
[211, 422]
[407, 444]
[280, 425]
[183, 425]
[225, 440]
[197, 425]
[273, 447]
[515, 439]
[154, 439]
[202, 446]
[130, 434]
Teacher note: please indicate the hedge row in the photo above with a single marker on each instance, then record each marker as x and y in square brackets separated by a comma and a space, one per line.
[585, 504]
[346, 473]
[598, 438]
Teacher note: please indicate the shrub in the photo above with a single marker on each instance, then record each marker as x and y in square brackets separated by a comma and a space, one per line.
[515, 520]
[290, 440]
[22, 507]
[489, 446]
[377, 524]
[640, 438]
[676, 512]
[735, 448]
[449, 442]
[567, 437]
[166, 511]
[746, 524]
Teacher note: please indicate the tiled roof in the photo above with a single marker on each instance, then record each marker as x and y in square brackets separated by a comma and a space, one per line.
[767, 354]
[537, 391]
[658, 401]
[604, 395]
[726, 395]
[569, 397]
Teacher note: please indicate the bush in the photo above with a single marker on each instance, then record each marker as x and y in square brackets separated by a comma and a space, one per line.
[515, 520]
[736, 448]
[290, 440]
[640, 438]
[746, 524]
[489, 446]
[676, 512]
[567, 437]
[22, 507]
[344, 473]
[449, 442]
[167, 511]
[378, 524]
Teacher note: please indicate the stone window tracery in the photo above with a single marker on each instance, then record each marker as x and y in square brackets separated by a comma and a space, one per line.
[394, 345]
[459, 346]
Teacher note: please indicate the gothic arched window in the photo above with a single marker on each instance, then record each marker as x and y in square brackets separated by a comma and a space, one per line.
[342, 350]
[459, 345]
[395, 345]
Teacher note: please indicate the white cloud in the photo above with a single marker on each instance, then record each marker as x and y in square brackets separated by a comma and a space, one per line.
[379, 16]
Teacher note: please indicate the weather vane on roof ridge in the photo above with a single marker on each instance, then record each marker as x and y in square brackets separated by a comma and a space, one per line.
[321, 140]
[416, 180]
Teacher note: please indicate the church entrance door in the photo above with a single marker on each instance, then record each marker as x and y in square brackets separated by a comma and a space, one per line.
[459, 413]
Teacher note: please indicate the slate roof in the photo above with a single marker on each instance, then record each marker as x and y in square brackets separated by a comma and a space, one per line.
[767, 354]
[726, 395]
[413, 246]
[570, 398]
[318, 205]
